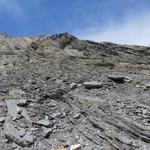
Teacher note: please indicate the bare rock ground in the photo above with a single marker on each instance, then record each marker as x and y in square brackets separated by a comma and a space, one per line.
[59, 92]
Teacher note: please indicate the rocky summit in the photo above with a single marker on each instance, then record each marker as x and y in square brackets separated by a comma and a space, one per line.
[62, 93]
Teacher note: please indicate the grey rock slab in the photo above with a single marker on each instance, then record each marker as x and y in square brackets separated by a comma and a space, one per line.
[93, 84]
[74, 53]
[19, 110]
[2, 119]
[75, 147]
[73, 85]
[22, 132]
[146, 86]
[11, 109]
[54, 115]
[15, 146]
[22, 102]
[43, 122]
[34, 129]
[119, 78]
[13, 135]
[52, 103]
[46, 131]
[42, 145]
[89, 100]
[26, 115]
[76, 116]
[16, 93]
[29, 138]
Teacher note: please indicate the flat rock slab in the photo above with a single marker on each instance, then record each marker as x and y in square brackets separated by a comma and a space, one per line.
[74, 53]
[29, 138]
[46, 131]
[26, 116]
[89, 100]
[119, 79]
[11, 109]
[75, 147]
[43, 122]
[2, 119]
[146, 86]
[93, 84]
[13, 135]
[73, 86]
[22, 102]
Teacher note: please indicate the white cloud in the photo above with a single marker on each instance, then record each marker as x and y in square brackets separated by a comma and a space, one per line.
[134, 29]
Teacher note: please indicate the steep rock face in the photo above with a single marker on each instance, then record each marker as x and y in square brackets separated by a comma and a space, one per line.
[66, 92]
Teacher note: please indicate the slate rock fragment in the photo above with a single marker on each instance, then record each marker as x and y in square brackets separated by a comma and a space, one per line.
[93, 84]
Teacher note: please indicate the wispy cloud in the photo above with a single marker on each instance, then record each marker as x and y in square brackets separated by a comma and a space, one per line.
[11, 8]
[134, 29]
[17, 9]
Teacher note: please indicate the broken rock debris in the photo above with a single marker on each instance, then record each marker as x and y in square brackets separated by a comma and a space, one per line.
[76, 84]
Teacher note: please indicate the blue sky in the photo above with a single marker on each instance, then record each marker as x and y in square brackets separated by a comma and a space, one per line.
[120, 21]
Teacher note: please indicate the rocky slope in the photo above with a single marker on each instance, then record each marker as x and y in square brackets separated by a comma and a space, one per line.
[59, 92]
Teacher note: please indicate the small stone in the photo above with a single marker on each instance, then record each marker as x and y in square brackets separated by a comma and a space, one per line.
[2, 119]
[54, 115]
[16, 118]
[43, 122]
[34, 129]
[146, 86]
[42, 146]
[29, 138]
[14, 146]
[144, 111]
[119, 79]
[73, 86]
[76, 116]
[22, 132]
[93, 84]
[12, 134]
[12, 108]
[26, 116]
[46, 131]
[52, 103]
[19, 110]
[22, 102]
[75, 147]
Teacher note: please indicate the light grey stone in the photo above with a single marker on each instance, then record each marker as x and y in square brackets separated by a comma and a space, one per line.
[13, 135]
[73, 86]
[2, 119]
[93, 84]
[22, 102]
[46, 131]
[26, 115]
[43, 122]
[11, 109]
[119, 78]
[29, 137]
